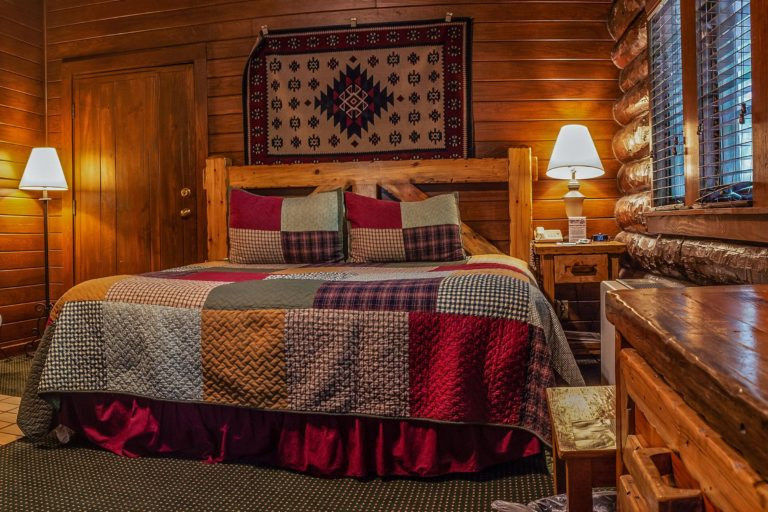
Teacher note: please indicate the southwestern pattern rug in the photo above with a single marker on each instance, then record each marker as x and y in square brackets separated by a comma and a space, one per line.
[373, 92]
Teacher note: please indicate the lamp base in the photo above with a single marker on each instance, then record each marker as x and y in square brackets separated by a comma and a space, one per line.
[574, 200]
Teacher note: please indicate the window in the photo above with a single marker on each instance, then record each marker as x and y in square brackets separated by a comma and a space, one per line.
[725, 100]
[666, 94]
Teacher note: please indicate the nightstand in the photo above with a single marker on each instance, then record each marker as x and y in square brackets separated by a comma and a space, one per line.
[575, 264]
[582, 267]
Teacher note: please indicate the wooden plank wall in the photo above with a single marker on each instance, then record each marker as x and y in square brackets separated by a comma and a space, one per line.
[537, 65]
[22, 126]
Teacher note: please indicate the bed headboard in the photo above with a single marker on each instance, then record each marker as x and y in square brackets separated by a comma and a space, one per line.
[398, 177]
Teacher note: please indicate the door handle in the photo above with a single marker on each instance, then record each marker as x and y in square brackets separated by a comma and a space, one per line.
[185, 192]
[184, 213]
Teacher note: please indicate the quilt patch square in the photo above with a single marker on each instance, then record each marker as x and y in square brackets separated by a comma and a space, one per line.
[484, 295]
[76, 356]
[463, 368]
[442, 208]
[315, 212]
[153, 351]
[264, 294]
[311, 246]
[347, 361]
[400, 295]
[255, 246]
[433, 243]
[173, 293]
[243, 358]
[376, 245]
[252, 211]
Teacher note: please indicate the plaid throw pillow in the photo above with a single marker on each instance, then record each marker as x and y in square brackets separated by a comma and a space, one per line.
[265, 229]
[388, 231]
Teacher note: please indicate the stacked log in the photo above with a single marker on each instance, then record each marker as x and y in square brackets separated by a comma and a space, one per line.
[635, 176]
[696, 260]
[630, 211]
[631, 143]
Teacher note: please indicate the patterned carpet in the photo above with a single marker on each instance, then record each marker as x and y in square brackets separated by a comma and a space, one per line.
[85, 478]
[13, 374]
[82, 478]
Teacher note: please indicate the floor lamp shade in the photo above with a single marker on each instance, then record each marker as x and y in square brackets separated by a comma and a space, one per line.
[43, 171]
[574, 158]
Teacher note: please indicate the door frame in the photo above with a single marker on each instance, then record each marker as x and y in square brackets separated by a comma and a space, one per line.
[194, 54]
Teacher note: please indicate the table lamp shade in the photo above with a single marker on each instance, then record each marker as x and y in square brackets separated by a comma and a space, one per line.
[43, 171]
[574, 151]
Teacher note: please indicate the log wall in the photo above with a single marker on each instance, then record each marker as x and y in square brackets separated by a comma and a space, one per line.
[697, 260]
[22, 126]
[537, 65]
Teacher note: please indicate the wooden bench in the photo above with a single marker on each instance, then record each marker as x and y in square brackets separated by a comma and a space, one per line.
[584, 441]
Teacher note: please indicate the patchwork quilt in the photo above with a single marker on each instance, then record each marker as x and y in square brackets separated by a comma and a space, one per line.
[467, 342]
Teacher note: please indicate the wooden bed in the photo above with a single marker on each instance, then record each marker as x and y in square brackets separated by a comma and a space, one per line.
[399, 178]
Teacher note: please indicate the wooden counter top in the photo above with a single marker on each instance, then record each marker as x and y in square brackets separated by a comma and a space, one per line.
[711, 345]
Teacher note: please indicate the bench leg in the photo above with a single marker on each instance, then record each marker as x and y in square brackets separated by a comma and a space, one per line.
[578, 476]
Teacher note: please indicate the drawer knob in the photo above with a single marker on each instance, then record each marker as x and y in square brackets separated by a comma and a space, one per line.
[584, 270]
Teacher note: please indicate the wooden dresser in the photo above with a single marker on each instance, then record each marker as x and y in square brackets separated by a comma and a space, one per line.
[692, 398]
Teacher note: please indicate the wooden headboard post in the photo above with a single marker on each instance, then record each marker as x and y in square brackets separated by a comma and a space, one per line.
[216, 185]
[399, 178]
[520, 190]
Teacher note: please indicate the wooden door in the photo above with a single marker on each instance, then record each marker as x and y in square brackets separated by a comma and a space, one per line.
[135, 185]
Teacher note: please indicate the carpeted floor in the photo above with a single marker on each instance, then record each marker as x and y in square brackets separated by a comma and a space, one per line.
[83, 478]
[13, 374]
[86, 478]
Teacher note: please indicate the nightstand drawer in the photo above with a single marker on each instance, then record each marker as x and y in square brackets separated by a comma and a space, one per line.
[581, 268]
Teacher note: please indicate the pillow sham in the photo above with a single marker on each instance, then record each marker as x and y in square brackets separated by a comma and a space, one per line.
[265, 229]
[387, 231]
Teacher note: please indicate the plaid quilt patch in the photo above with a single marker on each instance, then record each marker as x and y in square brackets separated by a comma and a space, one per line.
[376, 245]
[402, 295]
[161, 292]
[433, 243]
[459, 343]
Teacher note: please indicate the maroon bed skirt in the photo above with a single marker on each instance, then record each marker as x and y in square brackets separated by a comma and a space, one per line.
[317, 444]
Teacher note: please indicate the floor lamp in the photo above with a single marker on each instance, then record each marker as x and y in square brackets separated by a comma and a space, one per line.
[44, 172]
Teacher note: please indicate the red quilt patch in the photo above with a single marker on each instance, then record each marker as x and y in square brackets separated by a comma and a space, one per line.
[467, 369]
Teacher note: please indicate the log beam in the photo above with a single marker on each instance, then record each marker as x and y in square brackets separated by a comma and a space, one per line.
[698, 260]
[635, 176]
[630, 211]
[623, 12]
[635, 72]
[632, 43]
[633, 141]
[632, 104]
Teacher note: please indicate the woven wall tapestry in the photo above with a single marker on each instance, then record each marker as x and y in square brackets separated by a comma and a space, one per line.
[373, 92]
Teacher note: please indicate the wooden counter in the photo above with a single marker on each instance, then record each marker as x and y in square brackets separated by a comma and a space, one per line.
[692, 373]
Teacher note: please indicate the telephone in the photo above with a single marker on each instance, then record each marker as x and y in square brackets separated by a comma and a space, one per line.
[548, 235]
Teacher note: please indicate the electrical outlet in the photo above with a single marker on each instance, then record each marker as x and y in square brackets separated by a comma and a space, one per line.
[563, 309]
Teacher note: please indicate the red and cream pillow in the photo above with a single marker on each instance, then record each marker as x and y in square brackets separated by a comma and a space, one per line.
[388, 231]
[264, 229]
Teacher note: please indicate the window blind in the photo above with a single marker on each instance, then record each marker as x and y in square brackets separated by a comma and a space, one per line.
[725, 98]
[666, 92]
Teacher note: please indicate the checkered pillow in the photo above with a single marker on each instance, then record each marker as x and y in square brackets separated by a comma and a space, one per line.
[265, 229]
[388, 231]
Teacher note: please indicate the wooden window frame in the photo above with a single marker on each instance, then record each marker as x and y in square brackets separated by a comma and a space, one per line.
[745, 223]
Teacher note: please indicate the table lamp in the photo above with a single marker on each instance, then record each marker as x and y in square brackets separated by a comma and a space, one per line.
[574, 158]
[44, 172]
